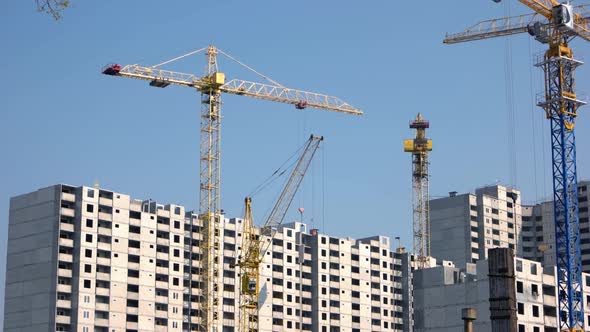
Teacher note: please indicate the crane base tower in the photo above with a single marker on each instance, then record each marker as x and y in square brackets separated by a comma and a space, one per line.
[560, 104]
[419, 147]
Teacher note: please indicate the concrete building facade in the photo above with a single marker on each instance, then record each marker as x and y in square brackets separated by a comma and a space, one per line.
[440, 293]
[91, 260]
[494, 217]
[104, 262]
[490, 218]
[538, 231]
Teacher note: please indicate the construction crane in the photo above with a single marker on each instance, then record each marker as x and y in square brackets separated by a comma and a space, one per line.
[211, 85]
[254, 246]
[420, 147]
[555, 24]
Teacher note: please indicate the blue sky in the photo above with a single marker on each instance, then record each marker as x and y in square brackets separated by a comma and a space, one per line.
[61, 121]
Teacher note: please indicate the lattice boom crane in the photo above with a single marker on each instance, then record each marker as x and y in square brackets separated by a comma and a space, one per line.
[254, 246]
[211, 85]
[555, 24]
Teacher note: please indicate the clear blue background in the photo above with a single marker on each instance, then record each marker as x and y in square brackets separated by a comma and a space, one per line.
[61, 121]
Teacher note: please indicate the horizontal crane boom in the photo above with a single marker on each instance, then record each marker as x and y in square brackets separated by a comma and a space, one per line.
[499, 27]
[507, 26]
[301, 99]
[167, 76]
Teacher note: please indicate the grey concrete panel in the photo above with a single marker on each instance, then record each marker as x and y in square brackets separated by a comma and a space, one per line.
[43, 210]
[32, 227]
[37, 286]
[13, 289]
[41, 195]
[30, 272]
[40, 316]
[16, 319]
[36, 301]
[39, 240]
[35, 256]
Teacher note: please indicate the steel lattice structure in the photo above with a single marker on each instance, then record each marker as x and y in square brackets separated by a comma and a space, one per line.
[420, 147]
[254, 246]
[211, 85]
[555, 24]
[249, 264]
[209, 195]
[561, 106]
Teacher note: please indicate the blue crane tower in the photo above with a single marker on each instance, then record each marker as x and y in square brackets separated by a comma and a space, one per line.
[555, 24]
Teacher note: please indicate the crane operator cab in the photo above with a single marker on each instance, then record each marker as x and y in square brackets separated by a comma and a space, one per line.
[248, 285]
[252, 286]
[563, 17]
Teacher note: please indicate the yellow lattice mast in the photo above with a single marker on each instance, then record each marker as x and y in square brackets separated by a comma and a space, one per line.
[249, 265]
[419, 147]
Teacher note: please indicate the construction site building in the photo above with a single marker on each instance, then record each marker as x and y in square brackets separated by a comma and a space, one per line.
[538, 230]
[441, 292]
[490, 218]
[89, 259]
[494, 217]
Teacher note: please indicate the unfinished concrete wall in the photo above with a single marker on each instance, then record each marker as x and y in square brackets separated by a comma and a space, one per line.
[31, 262]
[502, 290]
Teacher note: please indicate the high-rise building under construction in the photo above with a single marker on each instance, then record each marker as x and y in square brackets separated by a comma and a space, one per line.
[464, 227]
[89, 259]
[496, 217]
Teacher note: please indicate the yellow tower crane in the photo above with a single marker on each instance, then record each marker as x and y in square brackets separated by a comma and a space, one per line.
[555, 24]
[211, 85]
[419, 147]
[254, 245]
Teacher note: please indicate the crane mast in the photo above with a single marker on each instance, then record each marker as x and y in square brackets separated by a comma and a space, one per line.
[255, 245]
[209, 192]
[420, 147]
[249, 267]
[561, 105]
[212, 85]
[555, 24]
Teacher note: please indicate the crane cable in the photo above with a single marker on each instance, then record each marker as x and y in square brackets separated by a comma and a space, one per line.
[301, 193]
[546, 174]
[227, 56]
[509, 91]
[324, 187]
[533, 120]
[283, 168]
[250, 68]
[179, 57]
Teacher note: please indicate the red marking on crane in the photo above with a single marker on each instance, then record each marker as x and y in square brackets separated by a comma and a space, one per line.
[301, 105]
[112, 69]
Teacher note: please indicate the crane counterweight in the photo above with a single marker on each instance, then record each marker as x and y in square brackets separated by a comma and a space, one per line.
[112, 69]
